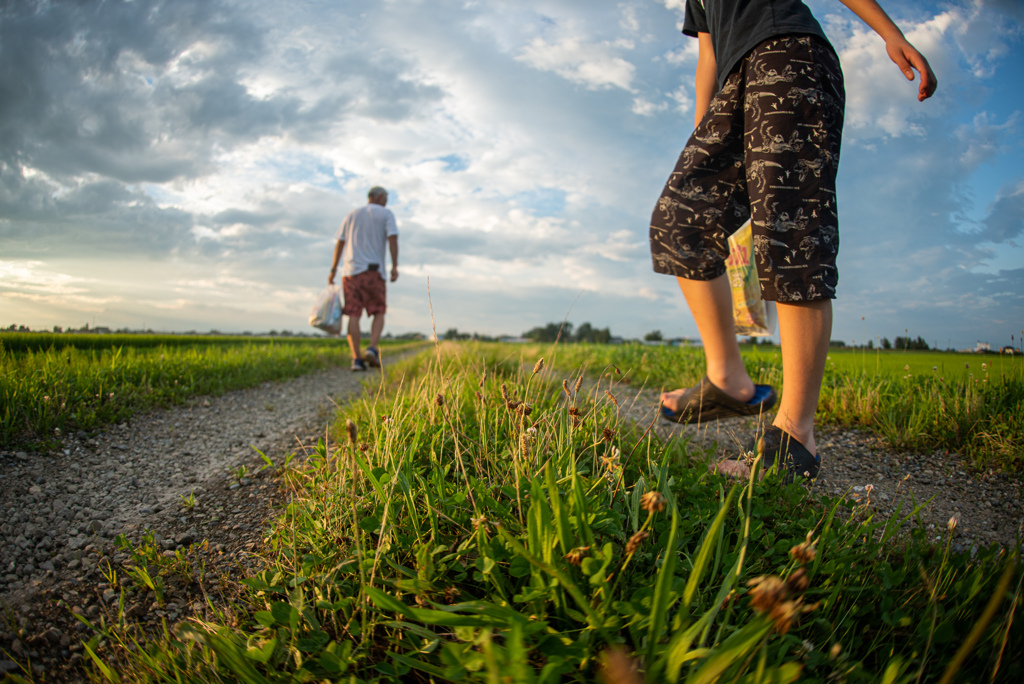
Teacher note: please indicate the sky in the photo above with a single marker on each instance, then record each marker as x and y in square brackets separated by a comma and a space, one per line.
[184, 164]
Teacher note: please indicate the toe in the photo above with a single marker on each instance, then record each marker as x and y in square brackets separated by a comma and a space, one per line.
[731, 468]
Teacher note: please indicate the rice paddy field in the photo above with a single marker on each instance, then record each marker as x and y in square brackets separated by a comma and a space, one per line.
[972, 404]
[50, 383]
[483, 518]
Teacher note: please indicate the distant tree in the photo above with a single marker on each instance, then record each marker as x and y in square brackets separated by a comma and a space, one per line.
[906, 343]
[871, 344]
[58, 329]
[550, 332]
[886, 344]
[653, 336]
[451, 334]
[836, 343]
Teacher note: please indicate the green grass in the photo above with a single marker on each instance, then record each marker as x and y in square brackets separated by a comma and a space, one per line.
[478, 522]
[960, 406]
[82, 382]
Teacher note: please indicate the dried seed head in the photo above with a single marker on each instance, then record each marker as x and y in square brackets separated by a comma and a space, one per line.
[364, 447]
[617, 667]
[797, 582]
[783, 614]
[575, 557]
[477, 522]
[480, 398]
[868, 489]
[579, 383]
[527, 439]
[450, 594]
[769, 594]
[953, 522]
[523, 408]
[653, 502]
[504, 392]
[607, 434]
[836, 649]
[350, 427]
[635, 541]
[565, 388]
[483, 376]
[616, 369]
[612, 397]
[537, 366]
[804, 553]
[439, 399]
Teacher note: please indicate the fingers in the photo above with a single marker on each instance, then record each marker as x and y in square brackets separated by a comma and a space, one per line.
[928, 81]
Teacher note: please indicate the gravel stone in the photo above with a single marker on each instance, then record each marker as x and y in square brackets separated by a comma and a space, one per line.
[60, 510]
[989, 503]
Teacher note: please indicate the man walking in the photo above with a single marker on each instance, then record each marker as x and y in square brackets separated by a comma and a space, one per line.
[365, 232]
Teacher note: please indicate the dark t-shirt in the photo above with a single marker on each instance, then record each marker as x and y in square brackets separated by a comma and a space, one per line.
[738, 26]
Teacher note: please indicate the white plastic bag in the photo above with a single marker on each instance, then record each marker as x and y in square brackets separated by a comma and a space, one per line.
[326, 313]
[754, 316]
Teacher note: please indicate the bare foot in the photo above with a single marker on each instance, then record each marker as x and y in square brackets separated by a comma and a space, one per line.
[732, 468]
[740, 390]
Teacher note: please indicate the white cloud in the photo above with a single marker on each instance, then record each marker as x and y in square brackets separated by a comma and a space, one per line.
[212, 184]
[591, 64]
[645, 108]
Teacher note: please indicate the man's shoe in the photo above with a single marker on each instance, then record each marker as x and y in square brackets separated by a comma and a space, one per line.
[372, 357]
[358, 365]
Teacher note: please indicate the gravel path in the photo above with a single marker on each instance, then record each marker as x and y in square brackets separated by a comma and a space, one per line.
[989, 505]
[63, 510]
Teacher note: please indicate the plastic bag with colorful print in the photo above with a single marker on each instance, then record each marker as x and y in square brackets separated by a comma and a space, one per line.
[753, 316]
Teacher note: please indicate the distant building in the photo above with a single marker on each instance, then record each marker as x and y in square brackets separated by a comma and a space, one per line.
[982, 347]
[1008, 350]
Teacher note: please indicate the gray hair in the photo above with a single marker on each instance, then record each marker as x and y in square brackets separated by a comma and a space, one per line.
[376, 191]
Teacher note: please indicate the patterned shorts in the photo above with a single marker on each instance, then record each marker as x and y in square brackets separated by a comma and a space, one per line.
[768, 150]
[365, 290]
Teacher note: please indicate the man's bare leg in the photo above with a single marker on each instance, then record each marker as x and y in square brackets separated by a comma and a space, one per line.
[376, 328]
[354, 336]
[805, 329]
[710, 303]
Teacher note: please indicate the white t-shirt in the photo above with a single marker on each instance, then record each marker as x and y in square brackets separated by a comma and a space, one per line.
[366, 231]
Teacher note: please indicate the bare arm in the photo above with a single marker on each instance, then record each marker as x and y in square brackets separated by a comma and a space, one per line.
[393, 244]
[706, 83]
[900, 51]
[338, 249]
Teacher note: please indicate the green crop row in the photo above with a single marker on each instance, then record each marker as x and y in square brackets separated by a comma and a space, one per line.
[480, 522]
[15, 342]
[916, 401]
[48, 392]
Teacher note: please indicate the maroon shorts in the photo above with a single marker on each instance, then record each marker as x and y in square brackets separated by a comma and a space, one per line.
[364, 291]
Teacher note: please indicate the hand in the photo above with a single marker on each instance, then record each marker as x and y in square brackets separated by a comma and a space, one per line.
[330, 278]
[394, 273]
[907, 58]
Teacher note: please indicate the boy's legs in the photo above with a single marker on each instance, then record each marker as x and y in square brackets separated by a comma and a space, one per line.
[710, 302]
[805, 329]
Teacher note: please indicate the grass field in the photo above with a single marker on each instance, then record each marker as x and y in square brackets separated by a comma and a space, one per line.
[479, 522]
[50, 384]
[921, 401]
